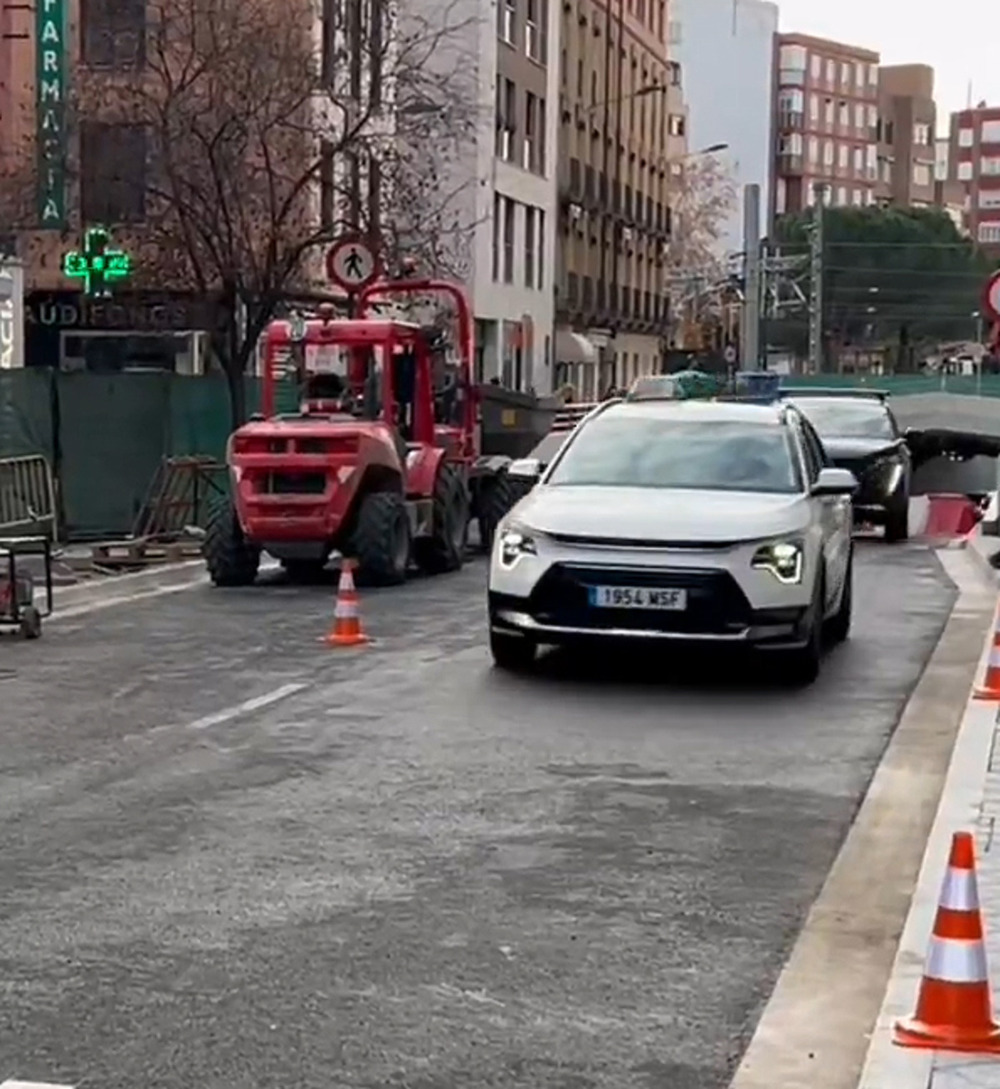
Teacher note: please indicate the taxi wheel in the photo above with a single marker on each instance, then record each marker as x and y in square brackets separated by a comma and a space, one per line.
[512, 652]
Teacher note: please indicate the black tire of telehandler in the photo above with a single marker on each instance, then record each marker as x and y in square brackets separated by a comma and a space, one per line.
[230, 560]
[497, 496]
[382, 539]
[444, 550]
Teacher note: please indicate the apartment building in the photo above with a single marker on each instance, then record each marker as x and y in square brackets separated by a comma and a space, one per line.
[974, 167]
[726, 50]
[826, 123]
[515, 224]
[622, 130]
[907, 127]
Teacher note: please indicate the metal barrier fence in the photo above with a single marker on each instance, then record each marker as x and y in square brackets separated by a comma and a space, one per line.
[27, 496]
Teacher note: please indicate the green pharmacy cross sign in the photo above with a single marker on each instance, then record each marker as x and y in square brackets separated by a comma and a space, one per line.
[97, 265]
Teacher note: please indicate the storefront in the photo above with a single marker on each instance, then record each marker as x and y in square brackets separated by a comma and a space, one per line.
[132, 331]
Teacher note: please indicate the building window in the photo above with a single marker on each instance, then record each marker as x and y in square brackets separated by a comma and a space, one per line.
[813, 149]
[497, 222]
[990, 166]
[859, 77]
[535, 37]
[872, 75]
[816, 65]
[859, 160]
[112, 173]
[842, 156]
[841, 196]
[327, 186]
[921, 174]
[791, 101]
[541, 158]
[859, 116]
[529, 151]
[508, 20]
[872, 116]
[814, 109]
[675, 125]
[506, 119]
[828, 113]
[843, 117]
[965, 137]
[792, 64]
[989, 233]
[989, 198]
[828, 153]
[529, 246]
[846, 74]
[922, 134]
[990, 133]
[831, 72]
[964, 172]
[540, 250]
[113, 33]
[509, 212]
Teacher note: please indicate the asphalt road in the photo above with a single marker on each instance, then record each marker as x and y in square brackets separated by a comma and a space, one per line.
[400, 868]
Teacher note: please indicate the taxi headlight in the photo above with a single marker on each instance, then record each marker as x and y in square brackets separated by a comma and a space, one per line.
[515, 542]
[783, 559]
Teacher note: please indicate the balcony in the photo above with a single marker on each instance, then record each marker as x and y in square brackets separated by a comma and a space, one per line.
[792, 77]
[790, 164]
[791, 120]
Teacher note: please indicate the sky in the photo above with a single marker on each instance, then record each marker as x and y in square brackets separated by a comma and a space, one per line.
[959, 39]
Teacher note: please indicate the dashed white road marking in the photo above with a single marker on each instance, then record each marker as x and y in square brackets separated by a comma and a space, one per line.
[13, 1083]
[247, 707]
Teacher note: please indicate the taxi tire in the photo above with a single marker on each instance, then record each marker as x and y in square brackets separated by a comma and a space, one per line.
[513, 653]
[897, 521]
[839, 625]
[801, 667]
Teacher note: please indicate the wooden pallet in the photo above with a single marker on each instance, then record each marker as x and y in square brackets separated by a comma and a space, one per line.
[140, 553]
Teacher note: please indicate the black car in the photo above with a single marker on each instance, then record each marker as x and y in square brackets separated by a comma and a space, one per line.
[860, 433]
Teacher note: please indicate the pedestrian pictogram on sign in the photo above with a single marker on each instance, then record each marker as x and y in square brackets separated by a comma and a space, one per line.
[991, 297]
[351, 263]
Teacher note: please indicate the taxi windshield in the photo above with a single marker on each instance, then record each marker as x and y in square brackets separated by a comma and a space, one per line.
[716, 455]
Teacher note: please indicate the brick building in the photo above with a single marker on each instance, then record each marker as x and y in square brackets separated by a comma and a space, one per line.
[974, 168]
[826, 119]
[906, 136]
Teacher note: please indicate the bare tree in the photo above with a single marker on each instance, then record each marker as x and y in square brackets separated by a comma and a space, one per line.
[256, 133]
[703, 198]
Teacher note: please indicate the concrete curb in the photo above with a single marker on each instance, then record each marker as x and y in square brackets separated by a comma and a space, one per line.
[887, 1066]
[815, 1028]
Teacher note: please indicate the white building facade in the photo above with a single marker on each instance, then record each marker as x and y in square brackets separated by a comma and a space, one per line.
[726, 49]
[514, 256]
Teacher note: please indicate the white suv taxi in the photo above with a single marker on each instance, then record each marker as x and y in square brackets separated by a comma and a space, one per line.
[699, 521]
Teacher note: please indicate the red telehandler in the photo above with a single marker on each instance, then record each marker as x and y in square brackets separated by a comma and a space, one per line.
[382, 462]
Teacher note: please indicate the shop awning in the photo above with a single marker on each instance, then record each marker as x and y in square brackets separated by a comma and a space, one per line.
[574, 347]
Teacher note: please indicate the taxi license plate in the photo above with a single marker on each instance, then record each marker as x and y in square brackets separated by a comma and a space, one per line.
[637, 597]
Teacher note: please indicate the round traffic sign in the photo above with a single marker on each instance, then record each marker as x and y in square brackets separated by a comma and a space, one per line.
[351, 263]
[729, 355]
[991, 297]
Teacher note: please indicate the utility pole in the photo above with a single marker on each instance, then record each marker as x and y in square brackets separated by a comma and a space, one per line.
[750, 346]
[816, 280]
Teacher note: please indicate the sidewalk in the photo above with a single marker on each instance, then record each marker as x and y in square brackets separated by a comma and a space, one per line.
[970, 801]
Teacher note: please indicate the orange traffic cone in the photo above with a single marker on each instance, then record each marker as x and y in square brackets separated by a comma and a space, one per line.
[347, 630]
[990, 688]
[954, 1007]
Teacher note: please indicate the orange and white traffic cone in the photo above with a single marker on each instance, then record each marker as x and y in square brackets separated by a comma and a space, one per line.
[347, 630]
[990, 688]
[955, 1007]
